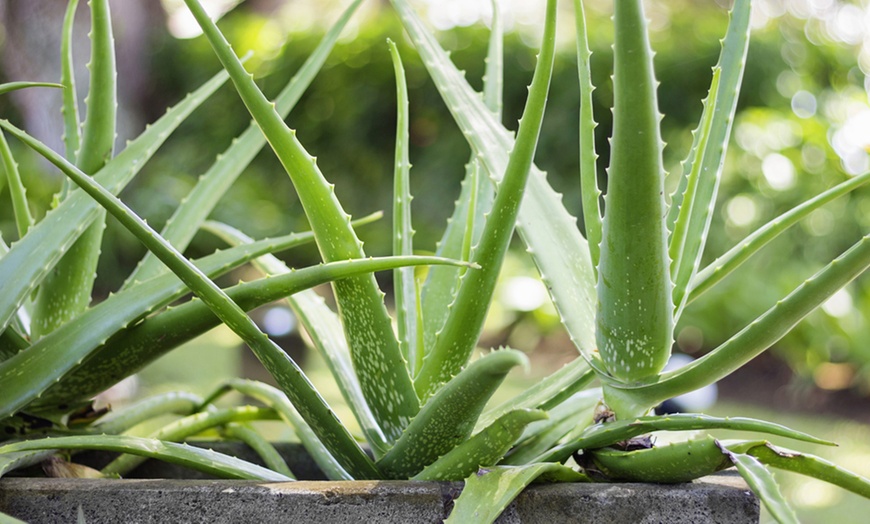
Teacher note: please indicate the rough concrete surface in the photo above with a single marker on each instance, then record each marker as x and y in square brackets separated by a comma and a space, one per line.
[721, 499]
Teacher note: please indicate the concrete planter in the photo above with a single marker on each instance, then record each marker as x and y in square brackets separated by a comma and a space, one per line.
[720, 498]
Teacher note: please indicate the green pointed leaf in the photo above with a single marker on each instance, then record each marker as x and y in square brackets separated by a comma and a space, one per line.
[489, 491]
[178, 402]
[14, 86]
[70, 107]
[457, 339]
[214, 183]
[261, 446]
[484, 449]
[763, 484]
[31, 258]
[448, 418]
[207, 461]
[672, 463]
[375, 351]
[23, 217]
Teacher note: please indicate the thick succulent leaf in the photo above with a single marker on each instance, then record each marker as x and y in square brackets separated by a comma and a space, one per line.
[288, 375]
[635, 312]
[448, 418]
[22, 459]
[672, 463]
[734, 257]
[488, 491]
[20, 209]
[763, 484]
[762, 333]
[261, 446]
[550, 232]
[214, 183]
[731, 65]
[66, 291]
[278, 401]
[207, 461]
[324, 329]
[482, 450]
[609, 433]
[180, 430]
[404, 281]
[457, 339]
[588, 156]
[377, 358]
[805, 464]
[31, 258]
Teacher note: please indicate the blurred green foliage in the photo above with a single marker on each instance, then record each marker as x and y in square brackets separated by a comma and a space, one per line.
[795, 92]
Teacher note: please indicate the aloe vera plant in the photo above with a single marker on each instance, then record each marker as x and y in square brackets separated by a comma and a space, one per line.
[418, 396]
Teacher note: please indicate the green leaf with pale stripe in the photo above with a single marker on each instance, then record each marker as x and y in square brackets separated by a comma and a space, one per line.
[377, 358]
[207, 461]
[178, 402]
[70, 106]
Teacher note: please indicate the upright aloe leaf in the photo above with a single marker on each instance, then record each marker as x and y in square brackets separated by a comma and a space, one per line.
[31, 258]
[214, 183]
[457, 339]
[23, 218]
[708, 153]
[752, 340]
[559, 250]
[375, 351]
[66, 291]
[70, 107]
[465, 226]
[635, 312]
[588, 157]
[404, 282]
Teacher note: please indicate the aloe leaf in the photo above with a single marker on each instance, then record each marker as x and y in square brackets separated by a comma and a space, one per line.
[754, 338]
[23, 218]
[672, 463]
[588, 156]
[70, 345]
[375, 351]
[288, 375]
[22, 459]
[805, 464]
[489, 491]
[191, 425]
[207, 461]
[278, 401]
[734, 257]
[606, 434]
[477, 192]
[447, 419]
[214, 183]
[559, 250]
[178, 402]
[763, 484]
[9, 519]
[266, 451]
[324, 328]
[70, 106]
[484, 449]
[457, 339]
[14, 86]
[635, 311]
[404, 282]
[66, 291]
[32, 257]
[547, 392]
[731, 65]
